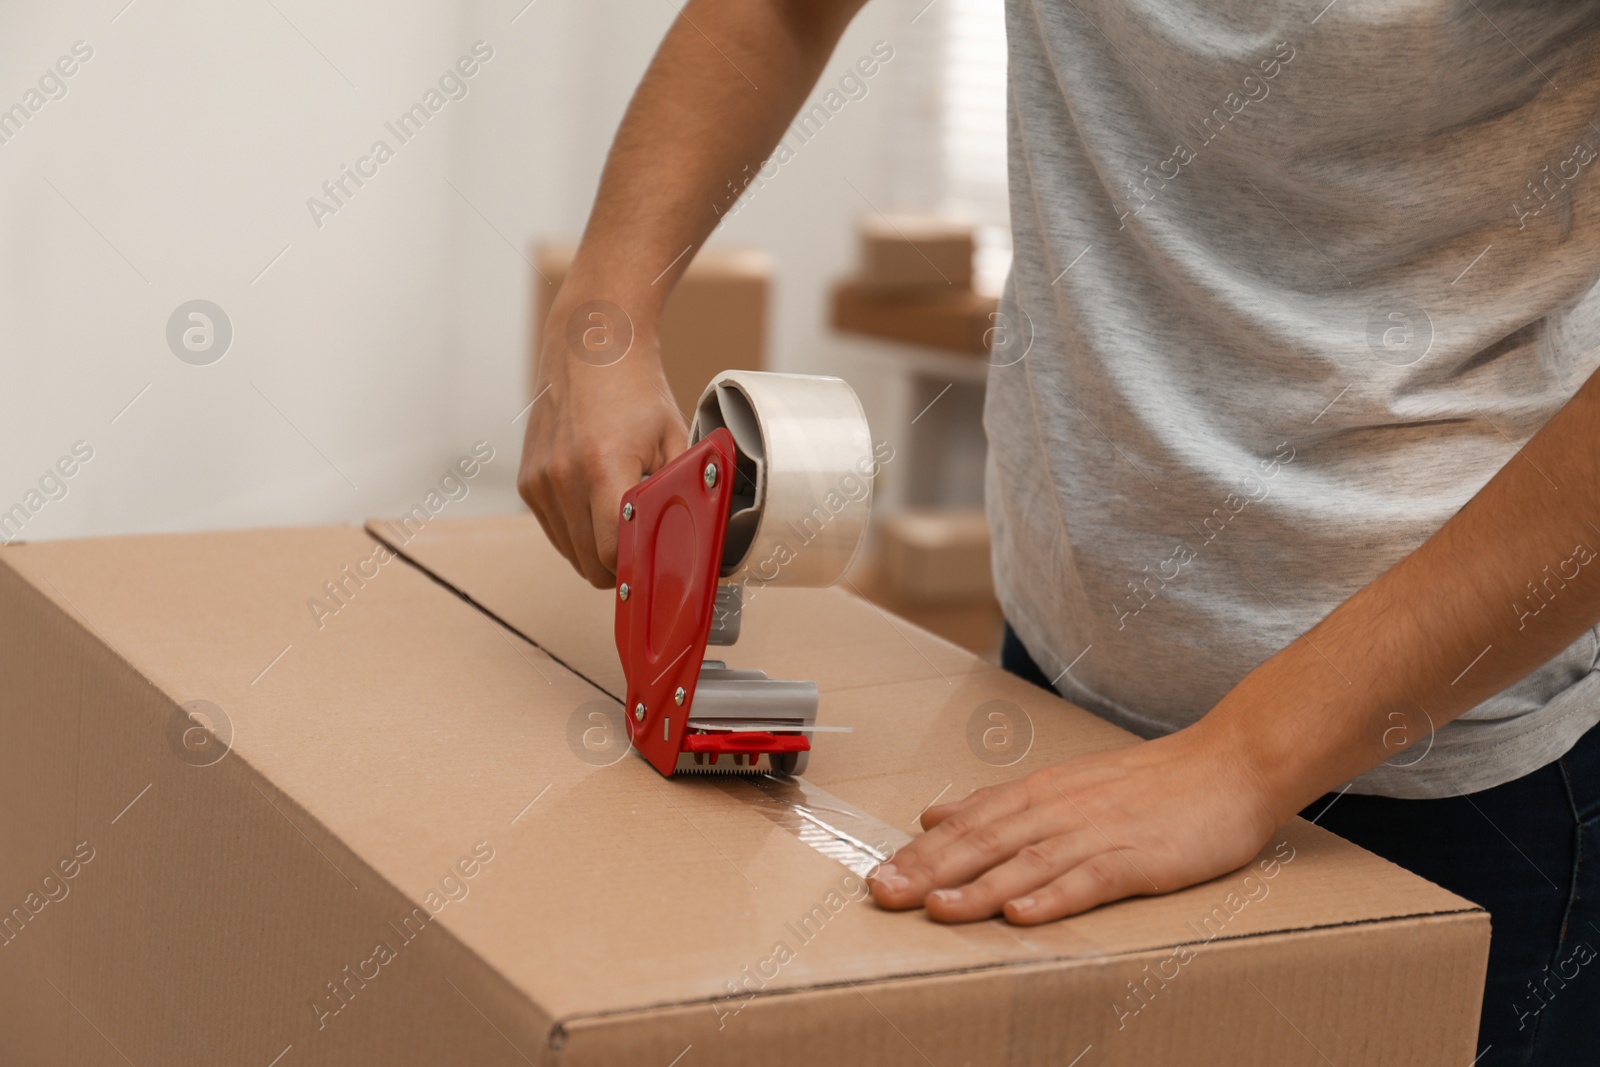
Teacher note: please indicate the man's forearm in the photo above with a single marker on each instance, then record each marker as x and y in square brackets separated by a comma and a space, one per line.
[727, 79]
[1442, 630]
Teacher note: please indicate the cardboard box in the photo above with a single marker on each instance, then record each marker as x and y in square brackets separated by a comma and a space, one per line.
[958, 320]
[936, 555]
[387, 837]
[975, 625]
[715, 320]
[908, 250]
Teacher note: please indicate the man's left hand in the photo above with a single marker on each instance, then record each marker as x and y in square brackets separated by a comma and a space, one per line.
[1149, 818]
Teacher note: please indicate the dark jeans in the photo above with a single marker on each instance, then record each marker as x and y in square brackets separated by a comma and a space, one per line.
[1529, 852]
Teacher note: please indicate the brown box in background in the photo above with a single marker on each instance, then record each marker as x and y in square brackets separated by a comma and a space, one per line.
[931, 567]
[715, 320]
[936, 555]
[958, 320]
[394, 829]
[905, 250]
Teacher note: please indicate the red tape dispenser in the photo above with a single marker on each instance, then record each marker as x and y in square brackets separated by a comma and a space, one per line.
[775, 488]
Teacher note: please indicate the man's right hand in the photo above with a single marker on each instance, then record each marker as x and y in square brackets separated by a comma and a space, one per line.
[695, 132]
[596, 428]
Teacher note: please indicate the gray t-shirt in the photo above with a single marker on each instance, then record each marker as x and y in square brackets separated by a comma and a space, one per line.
[1300, 281]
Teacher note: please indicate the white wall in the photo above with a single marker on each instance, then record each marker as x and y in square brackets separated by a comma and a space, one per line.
[381, 345]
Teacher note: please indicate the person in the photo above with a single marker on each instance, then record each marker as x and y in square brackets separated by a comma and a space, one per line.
[1296, 474]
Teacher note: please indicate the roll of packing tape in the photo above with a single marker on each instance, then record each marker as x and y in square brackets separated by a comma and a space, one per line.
[803, 484]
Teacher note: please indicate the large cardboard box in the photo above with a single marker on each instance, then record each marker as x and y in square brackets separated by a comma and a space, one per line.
[284, 798]
[715, 319]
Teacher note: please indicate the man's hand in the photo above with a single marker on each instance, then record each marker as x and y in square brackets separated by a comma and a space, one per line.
[1149, 818]
[696, 131]
[596, 428]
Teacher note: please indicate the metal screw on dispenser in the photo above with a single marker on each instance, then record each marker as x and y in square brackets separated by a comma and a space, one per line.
[711, 475]
[677, 696]
[638, 712]
[622, 590]
[627, 512]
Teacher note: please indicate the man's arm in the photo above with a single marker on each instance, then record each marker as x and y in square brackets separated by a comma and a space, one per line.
[1440, 631]
[727, 79]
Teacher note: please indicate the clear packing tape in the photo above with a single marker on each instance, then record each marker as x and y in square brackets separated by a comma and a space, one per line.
[855, 838]
[803, 480]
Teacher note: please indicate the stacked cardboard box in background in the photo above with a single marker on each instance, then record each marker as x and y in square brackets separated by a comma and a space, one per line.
[914, 284]
[929, 561]
[931, 565]
[715, 320]
[909, 252]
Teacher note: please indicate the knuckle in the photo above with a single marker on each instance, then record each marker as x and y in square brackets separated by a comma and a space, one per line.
[961, 823]
[594, 454]
[1041, 785]
[1037, 856]
[530, 485]
[911, 857]
[1101, 876]
[986, 839]
[606, 546]
[559, 472]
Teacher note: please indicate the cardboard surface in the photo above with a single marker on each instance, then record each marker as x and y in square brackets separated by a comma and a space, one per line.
[380, 749]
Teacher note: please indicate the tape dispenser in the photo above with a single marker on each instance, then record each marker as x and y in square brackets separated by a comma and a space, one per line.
[754, 501]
